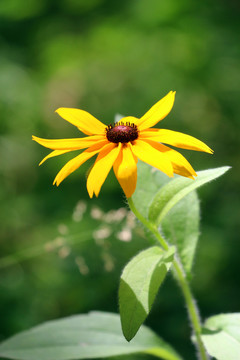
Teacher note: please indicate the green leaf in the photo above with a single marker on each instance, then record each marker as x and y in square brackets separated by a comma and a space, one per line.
[148, 183]
[170, 194]
[94, 335]
[181, 228]
[221, 336]
[139, 284]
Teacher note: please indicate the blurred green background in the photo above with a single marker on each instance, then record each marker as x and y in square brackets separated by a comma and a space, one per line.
[62, 253]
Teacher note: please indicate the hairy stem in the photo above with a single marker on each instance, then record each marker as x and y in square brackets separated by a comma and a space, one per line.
[183, 283]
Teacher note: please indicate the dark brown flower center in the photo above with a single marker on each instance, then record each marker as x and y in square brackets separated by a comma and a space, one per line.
[122, 132]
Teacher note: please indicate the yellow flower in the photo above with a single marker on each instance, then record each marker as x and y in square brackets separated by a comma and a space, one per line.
[121, 145]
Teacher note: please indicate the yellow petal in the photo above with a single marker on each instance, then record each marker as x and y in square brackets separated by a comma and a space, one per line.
[52, 154]
[157, 112]
[175, 138]
[180, 165]
[125, 169]
[76, 162]
[101, 168]
[153, 157]
[86, 123]
[69, 144]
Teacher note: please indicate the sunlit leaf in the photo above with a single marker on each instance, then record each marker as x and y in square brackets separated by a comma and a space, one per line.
[221, 336]
[149, 182]
[139, 284]
[170, 194]
[180, 227]
[94, 335]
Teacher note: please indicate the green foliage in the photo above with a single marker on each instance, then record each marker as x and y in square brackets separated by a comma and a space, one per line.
[139, 284]
[175, 190]
[221, 336]
[177, 211]
[148, 183]
[92, 336]
[173, 204]
[181, 228]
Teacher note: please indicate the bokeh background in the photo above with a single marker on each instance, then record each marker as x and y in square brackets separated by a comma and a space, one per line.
[62, 253]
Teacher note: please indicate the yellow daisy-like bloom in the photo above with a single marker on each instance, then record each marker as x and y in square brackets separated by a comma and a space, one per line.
[121, 145]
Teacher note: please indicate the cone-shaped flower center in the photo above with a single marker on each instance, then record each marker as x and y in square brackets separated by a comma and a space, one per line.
[122, 132]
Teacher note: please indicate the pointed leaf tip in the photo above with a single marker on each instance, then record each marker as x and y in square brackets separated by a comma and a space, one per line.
[139, 284]
[170, 194]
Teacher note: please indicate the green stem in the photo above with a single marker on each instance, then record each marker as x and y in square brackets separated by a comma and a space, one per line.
[181, 277]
